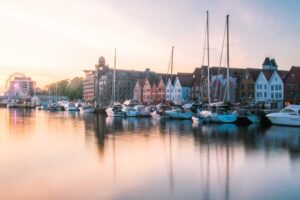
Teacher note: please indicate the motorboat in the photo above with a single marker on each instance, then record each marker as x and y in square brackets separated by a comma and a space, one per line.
[115, 110]
[289, 116]
[247, 116]
[179, 113]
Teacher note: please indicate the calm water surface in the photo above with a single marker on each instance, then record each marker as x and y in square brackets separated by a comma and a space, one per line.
[62, 155]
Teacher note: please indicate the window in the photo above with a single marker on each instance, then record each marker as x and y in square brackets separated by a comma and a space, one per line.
[272, 87]
[276, 95]
[279, 87]
[265, 86]
[276, 87]
[280, 96]
[265, 95]
[272, 95]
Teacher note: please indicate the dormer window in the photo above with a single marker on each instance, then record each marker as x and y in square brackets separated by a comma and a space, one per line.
[293, 75]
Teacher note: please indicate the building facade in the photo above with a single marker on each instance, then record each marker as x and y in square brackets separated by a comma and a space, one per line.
[292, 86]
[89, 85]
[247, 85]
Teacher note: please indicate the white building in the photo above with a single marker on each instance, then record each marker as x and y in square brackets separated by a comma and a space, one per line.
[179, 90]
[269, 87]
[169, 90]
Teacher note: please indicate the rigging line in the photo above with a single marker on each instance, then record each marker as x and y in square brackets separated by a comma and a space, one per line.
[203, 57]
[220, 63]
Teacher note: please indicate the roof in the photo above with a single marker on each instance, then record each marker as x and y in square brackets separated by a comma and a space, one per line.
[267, 61]
[268, 73]
[141, 81]
[185, 79]
[254, 73]
[294, 75]
[282, 74]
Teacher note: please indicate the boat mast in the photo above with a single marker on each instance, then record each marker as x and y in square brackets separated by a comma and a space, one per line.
[114, 78]
[227, 25]
[208, 76]
[172, 55]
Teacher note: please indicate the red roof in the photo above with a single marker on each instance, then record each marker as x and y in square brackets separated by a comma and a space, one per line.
[293, 76]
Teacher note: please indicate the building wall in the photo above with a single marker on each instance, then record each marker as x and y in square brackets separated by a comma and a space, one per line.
[261, 88]
[177, 91]
[147, 92]
[137, 91]
[186, 94]
[276, 89]
[161, 91]
[169, 91]
[154, 93]
[89, 86]
[247, 88]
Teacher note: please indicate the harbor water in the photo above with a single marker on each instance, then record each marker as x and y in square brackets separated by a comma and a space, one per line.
[65, 155]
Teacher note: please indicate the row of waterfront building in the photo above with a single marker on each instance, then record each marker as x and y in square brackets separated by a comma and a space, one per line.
[246, 85]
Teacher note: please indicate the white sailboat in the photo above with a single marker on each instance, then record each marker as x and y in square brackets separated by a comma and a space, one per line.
[289, 116]
[220, 114]
[115, 110]
[224, 115]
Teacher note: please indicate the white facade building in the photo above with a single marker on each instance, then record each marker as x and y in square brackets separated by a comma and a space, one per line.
[169, 90]
[269, 88]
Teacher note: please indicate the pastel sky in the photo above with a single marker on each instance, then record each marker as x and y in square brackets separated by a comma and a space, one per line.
[57, 39]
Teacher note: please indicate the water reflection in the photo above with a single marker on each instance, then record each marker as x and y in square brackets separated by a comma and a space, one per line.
[145, 158]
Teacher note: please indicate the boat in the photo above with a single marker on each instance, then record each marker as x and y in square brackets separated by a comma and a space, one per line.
[53, 107]
[160, 111]
[179, 113]
[219, 112]
[129, 108]
[88, 109]
[115, 110]
[141, 111]
[289, 116]
[71, 107]
[247, 116]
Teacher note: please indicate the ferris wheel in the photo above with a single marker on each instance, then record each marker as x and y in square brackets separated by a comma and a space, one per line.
[17, 84]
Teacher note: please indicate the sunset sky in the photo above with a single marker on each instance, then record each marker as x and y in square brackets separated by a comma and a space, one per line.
[57, 39]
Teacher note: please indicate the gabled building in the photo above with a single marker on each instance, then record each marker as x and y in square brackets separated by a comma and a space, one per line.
[292, 86]
[169, 88]
[182, 88]
[269, 87]
[195, 93]
[146, 92]
[247, 85]
[160, 90]
[138, 89]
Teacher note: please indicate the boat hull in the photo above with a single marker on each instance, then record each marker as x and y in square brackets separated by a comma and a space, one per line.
[279, 119]
[112, 113]
[179, 115]
[223, 118]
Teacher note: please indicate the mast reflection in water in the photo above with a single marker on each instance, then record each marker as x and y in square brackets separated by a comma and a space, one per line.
[62, 155]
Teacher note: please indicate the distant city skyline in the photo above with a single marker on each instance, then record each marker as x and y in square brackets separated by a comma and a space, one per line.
[54, 40]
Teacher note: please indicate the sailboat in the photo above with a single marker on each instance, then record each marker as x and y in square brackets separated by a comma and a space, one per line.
[219, 112]
[115, 110]
[177, 112]
[223, 114]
